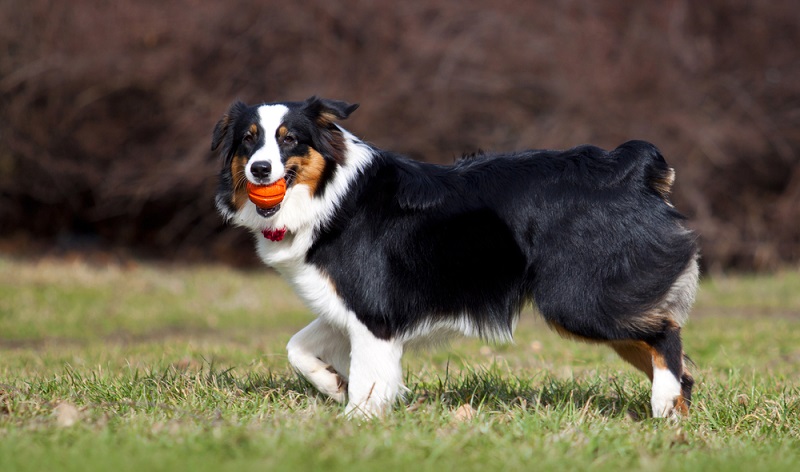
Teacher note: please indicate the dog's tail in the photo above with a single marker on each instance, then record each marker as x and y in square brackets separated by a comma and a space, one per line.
[657, 174]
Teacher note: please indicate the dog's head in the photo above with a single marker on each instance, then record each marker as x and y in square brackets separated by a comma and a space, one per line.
[298, 141]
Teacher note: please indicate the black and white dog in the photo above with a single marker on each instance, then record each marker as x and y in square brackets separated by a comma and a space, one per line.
[388, 251]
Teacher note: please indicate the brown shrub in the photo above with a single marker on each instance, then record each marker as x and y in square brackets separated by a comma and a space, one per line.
[106, 109]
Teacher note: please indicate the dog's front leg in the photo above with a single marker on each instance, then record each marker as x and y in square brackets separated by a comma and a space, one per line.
[321, 354]
[375, 372]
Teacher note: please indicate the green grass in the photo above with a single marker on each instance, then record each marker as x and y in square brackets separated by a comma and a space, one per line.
[160, 368]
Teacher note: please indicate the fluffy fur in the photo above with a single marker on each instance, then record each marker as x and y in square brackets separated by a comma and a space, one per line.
[388, 251]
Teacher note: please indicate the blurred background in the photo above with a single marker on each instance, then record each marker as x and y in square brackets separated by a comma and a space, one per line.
[106, 108]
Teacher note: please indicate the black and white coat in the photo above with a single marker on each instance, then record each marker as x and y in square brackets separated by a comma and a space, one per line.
[388, 251]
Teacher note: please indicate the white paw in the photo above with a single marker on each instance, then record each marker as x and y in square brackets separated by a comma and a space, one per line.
[331, 384]
[664, 407]
[328, 382]
[666, 401]
[366, 409]
[373, 402]
[321, 375]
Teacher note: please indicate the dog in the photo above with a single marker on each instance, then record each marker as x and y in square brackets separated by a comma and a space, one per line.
[389, 252]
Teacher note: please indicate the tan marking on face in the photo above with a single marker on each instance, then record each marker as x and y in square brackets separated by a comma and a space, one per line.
[308, 168]
[282, 131]
[239, 182]
[254, 129]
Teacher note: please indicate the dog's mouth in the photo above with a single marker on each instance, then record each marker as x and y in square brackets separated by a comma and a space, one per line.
[267, 212]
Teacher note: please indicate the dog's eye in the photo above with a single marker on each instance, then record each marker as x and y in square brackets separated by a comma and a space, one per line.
[248, 138]
[288, 140]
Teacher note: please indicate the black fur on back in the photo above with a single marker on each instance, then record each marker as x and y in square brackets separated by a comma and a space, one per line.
[586, 234]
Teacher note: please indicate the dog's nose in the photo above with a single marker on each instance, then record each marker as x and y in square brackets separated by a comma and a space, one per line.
[261, 169]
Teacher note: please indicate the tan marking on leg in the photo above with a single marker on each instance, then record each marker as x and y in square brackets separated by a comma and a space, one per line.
[681, 406]
[658, 360]
[637, 353]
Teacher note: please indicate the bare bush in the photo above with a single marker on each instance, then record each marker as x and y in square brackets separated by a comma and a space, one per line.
[106, 108]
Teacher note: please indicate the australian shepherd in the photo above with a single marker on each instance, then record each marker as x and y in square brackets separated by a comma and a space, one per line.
[388, 251]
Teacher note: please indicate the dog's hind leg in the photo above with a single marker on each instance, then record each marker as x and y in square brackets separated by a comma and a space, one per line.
[660, 355]
[672, 383]
[321, 354]
[662, 360]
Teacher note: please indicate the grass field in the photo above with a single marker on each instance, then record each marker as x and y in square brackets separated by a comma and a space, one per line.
[160, 368]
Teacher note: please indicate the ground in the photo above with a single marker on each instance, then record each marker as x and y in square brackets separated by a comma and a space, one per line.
[149, 367]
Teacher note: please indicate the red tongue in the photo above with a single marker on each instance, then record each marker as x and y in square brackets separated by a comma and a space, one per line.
[274, 234]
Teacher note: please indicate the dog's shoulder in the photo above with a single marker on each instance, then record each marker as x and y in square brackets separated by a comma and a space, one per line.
[411, 185]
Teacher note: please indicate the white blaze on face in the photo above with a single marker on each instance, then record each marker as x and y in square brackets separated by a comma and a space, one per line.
[270, 119]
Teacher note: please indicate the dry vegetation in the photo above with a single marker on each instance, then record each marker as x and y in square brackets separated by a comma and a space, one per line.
[106, 108]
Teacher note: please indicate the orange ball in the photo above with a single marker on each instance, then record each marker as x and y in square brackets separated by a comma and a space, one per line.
[267, 196]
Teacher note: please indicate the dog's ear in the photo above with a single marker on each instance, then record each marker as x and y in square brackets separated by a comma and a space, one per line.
[325, 112]
[223, 130]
